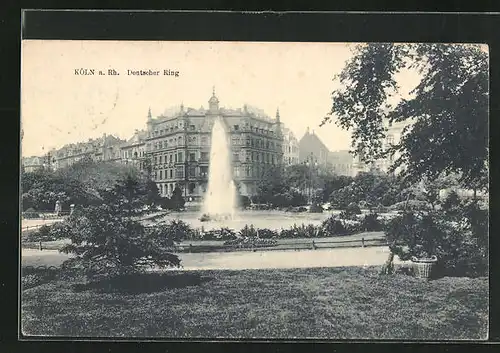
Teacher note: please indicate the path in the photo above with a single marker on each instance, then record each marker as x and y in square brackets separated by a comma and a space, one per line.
[371, 256]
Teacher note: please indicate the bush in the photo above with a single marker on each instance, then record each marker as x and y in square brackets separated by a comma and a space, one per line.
[205, 218]
[353, 209]
[315, 208]
[346, 215]
[248, 231]
[302, 231]
[265, 233]
[244, 201]
[414, 205]
[219, 234]
[333, 227]
[49, 232]
[371, 223]
[458, 241]
[31, 213]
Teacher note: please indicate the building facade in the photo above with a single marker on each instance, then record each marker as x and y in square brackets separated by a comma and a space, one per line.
[31, 164]
[311, 147]
[133, 152]
[177, 147]
[290, 147]
[342, 163]
[393, 136]
[105, 148]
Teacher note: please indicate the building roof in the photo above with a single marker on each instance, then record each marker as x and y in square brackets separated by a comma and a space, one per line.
[311, 139]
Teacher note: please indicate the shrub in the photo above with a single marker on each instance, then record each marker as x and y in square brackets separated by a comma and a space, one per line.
[244, 201]
[265, 233]
[31, 213]
[458, 241]
[315, 208]
[333, 227]
[49, 232]
[346, 215]
[248, 231]
[219, 234]
[205, 218]
[415, 205]
[353, 209]
[371, 223]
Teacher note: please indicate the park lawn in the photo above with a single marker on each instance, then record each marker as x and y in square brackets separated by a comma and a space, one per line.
[331, 303]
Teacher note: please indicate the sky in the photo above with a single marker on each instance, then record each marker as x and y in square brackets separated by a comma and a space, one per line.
[59, 107]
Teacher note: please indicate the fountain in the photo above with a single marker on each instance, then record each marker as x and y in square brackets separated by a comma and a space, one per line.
[220, 199]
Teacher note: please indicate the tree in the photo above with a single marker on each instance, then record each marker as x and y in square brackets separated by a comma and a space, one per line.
[108, 239]
[153, 196]
[177, 200]
[448, 109]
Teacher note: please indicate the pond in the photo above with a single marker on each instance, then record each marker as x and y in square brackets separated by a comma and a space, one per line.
[271, 219]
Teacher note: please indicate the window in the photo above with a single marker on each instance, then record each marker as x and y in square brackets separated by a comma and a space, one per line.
[161, 174]
[156, 160]
[191, 188]
[204, 141]
[171, 172]
[176, 158]
[236, 171]
[179, 172]
[248, 141]
[236, 127]
[204, 171]
[192, 172]
[192, 156]
[161, 159]
[204, 156]
[180, 157]
[192, 127]
[170, 158]
[236, 157]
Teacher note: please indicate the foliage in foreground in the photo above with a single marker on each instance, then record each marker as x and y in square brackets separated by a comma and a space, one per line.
[458, 237]
[446, 117]
[109, 239]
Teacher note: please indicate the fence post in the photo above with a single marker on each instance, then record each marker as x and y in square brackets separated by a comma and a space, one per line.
[363, 242]
[190, 248]
[40, 246]
[313, 245]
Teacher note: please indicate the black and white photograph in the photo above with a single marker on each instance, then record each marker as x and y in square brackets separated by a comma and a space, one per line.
[254, 190]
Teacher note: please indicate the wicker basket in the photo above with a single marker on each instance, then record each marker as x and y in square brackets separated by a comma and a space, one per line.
[424, 267]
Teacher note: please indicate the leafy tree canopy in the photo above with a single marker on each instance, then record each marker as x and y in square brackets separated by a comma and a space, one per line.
[446, 113]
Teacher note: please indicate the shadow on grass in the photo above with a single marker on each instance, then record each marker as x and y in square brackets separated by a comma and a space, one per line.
[143, 283]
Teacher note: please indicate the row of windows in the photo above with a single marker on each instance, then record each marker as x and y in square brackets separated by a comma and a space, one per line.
[254, 171]
[129, 154]
[243, 156]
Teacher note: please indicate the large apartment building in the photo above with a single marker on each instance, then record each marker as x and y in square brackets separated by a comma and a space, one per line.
[178, 147]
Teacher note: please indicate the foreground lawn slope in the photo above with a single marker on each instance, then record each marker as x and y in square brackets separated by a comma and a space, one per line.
[332, 303]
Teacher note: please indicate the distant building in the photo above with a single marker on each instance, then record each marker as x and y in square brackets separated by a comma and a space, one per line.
[105, 148]
[311, 147]
[133, 152]
[342, 163]
[393, 136]
[290, 147]
[178, 147]
[31, 164]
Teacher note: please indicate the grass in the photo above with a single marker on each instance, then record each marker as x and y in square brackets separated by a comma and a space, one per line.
[331, 303]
